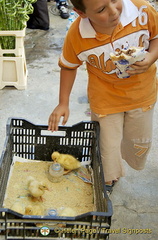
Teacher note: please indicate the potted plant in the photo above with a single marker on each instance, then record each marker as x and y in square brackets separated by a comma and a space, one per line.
[13, 18]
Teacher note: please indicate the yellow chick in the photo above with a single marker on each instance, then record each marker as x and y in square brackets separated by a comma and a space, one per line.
[34, 210]
[36, 188]
[67, 161]
[68, 212]
[18, 207]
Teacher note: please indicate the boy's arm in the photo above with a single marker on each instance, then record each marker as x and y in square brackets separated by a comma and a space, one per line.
[151, 57]
[67, 78]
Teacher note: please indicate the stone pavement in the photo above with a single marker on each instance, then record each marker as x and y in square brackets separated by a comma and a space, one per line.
[135, 197]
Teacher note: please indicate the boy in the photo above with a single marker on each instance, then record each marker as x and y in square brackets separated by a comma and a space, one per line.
[123, 107]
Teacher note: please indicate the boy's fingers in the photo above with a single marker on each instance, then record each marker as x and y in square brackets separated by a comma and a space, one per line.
[53, 123]
[56, 122]
[54, 119]
[65, 117]
[64, 120]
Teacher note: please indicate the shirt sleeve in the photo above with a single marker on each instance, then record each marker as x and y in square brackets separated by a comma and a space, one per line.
[153, 22]
[69, 56]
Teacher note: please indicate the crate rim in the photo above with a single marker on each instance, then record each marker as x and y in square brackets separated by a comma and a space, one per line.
[10, 119]
[46, 217]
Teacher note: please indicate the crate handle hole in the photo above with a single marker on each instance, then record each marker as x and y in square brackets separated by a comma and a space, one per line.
[56, 133]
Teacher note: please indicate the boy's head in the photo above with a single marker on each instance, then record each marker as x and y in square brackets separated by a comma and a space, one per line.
[104, 15]
[78, 4]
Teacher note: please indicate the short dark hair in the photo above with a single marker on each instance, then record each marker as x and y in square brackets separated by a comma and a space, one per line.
[78, 4]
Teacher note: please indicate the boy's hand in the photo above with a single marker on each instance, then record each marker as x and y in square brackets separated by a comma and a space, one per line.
[142, 66]
[54, 118]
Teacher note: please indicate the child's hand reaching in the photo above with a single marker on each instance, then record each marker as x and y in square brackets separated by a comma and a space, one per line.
[54, 118]
[67, 78]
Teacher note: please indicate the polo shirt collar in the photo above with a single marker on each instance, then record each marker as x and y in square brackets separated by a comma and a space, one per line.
[129, 13]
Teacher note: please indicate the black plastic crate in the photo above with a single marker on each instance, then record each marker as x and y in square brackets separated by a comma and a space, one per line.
[27, 140]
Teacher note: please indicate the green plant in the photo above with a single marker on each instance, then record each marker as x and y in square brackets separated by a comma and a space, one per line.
[13, 16]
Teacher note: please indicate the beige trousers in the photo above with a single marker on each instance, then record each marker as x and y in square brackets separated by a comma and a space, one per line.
[125, 135]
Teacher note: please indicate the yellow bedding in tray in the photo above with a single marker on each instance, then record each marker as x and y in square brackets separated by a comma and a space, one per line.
[70, 197]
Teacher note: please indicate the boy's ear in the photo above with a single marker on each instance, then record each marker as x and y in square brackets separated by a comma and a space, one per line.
[80, 13]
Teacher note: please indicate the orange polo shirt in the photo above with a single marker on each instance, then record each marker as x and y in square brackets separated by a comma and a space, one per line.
[106, 92]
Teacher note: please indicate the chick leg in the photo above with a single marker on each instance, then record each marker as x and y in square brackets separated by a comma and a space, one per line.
[41, 199]
[37, 199]
[34, 199]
